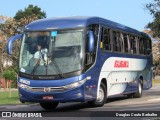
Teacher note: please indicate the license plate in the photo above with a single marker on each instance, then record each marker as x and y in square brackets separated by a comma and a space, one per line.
[47, 97]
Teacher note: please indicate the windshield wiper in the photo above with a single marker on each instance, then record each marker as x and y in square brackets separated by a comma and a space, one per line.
[57, 68]
[34, 69]
[38, 62]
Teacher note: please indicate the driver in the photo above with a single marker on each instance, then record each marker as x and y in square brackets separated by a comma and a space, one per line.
[40, 55]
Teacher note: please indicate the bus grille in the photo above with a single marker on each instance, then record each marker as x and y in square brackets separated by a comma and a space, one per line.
[46, 89]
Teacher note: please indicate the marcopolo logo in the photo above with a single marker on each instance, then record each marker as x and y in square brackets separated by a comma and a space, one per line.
[121, 64]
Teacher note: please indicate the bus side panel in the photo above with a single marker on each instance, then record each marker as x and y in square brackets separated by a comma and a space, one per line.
[122, 74]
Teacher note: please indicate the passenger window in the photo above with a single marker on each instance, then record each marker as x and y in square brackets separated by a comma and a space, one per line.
[117, 43]
[149, 48]
[122, 42]
[106, 42]
[137, 44]
[133, 44]
[141, 46]
[126, 49]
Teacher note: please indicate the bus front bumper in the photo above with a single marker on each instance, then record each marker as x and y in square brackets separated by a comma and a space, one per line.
[44, 95]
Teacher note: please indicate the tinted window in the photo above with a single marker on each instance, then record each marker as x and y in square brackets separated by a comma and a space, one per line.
[137, 44]
[133, 44]
[117, 43]
[126, 49]
[148, 46]
[141, 46]
[106, 42]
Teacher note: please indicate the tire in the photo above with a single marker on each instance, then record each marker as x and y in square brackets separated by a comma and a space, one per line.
[102, 97]
[49, 106]
[138, 94]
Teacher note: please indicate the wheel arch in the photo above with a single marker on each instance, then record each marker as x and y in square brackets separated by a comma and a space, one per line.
[104, 81]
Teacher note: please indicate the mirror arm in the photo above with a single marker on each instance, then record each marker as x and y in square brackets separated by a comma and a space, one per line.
[10, 42]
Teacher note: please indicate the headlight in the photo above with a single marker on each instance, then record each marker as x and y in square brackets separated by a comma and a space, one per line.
[21, 85]
[75, 84]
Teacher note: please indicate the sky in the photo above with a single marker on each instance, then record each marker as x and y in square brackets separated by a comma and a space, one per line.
[131, 13]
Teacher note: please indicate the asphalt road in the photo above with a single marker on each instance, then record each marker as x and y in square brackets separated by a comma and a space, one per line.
[120, 106]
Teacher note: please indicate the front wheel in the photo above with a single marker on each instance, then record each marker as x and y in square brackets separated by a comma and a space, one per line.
[49, 106]
[138, 94]
[100, 101]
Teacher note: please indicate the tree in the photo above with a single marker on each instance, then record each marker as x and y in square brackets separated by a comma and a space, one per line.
[2, 21]
[2, 44]
[9, 76]
[7, 29]
[154, 9]
[12, 26]
[30, 11]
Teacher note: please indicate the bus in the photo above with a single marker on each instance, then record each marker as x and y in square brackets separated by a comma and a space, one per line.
[81, 59]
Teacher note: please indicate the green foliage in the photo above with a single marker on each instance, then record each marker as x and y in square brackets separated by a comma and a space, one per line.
[154, 9]
[12, 26]
[9, 74]
[9, 27]
[30, 11]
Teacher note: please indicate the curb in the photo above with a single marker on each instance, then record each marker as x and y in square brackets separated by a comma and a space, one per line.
[35, 104]
[27, 105]
[2, 107]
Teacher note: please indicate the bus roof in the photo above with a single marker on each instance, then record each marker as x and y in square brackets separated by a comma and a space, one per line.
[76, 21]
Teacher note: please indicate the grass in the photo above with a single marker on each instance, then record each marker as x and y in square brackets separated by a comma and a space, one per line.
[6, 99]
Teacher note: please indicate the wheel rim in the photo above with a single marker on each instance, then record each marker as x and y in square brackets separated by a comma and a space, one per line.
[140, 88]
[101, 95]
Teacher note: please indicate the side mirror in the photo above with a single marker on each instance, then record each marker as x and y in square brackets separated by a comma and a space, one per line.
[10, 43]
[91, 42]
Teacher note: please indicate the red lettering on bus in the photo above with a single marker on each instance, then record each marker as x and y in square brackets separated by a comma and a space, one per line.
[121, 64]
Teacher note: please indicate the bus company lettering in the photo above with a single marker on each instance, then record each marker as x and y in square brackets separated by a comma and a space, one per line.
[121, 64]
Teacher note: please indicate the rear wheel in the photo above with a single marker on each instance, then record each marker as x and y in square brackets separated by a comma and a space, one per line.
[138, 94]
[100, 101]
[49, 106]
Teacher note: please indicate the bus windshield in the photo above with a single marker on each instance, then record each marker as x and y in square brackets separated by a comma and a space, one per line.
[51, 53]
